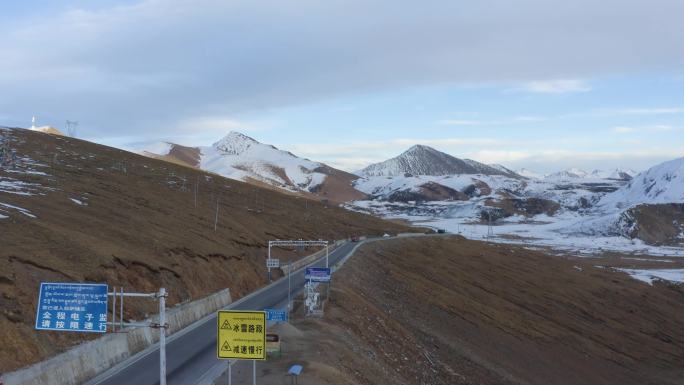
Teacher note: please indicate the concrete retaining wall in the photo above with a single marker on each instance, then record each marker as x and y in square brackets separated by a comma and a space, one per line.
[91, 358]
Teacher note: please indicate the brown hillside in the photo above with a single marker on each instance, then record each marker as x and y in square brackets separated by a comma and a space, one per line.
[337, 186]
[139, 228]
[451, 311]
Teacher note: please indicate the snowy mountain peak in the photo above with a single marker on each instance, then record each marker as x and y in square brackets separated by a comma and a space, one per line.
[425, 160]
[235, 143]
[663, 183]
[571, 173]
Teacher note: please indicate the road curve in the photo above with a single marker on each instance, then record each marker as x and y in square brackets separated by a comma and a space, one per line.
[191, 352]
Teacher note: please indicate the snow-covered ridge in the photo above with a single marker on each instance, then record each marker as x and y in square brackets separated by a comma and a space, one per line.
[384, 186]
[663, 183]
[579, 175]
[238, 156]
[424, 160]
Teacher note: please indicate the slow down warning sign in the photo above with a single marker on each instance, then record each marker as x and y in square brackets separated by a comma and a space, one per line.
[241, 335]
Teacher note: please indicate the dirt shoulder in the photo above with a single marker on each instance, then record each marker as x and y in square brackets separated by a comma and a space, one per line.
[451, 311]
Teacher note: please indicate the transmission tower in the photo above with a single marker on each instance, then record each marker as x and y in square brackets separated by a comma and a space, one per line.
[71, 128]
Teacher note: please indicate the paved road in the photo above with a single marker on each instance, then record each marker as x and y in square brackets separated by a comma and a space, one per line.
[193, 352]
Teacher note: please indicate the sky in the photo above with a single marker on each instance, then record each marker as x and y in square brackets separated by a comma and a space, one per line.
[540, 84]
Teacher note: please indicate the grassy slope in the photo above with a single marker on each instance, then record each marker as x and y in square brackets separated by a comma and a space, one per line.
[141, 230]
[494, 314]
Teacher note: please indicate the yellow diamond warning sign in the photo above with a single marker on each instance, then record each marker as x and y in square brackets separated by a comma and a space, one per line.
[241, 335]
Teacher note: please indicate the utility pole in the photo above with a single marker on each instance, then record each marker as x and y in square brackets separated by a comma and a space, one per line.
[196, 187]
[490, 231]
[161, 325]
[289, 288]
[162, 336]
[217, 212]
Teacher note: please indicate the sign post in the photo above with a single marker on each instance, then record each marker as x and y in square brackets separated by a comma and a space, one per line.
[241, 335]
[82, 307]
[271, 263]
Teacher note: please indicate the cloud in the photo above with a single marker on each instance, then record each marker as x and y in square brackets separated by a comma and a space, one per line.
[611, 112]
[651, 129]
[648, 111]
[623, 130]
[221, 125]
[138, 69]
[529, 119]
[513, 120]
[535, 155]
[557, 86]
[457, 122]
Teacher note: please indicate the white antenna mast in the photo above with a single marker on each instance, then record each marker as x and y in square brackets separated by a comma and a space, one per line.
[33, 123]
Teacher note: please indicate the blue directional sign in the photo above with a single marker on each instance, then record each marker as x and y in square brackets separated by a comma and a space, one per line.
[276, 315]
[73, 307]
[317, 274]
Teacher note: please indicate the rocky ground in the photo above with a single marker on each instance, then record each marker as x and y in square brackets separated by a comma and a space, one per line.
[445, 310]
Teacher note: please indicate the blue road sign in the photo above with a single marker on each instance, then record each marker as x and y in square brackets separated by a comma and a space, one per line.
[276, 315]
[73, 307]
[317, 274]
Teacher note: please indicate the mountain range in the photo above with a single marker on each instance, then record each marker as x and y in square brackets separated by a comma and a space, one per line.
[238, 156]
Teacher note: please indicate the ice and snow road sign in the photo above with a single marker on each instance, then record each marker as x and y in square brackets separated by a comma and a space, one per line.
[241, 335]
[317, 274]
[74, 307]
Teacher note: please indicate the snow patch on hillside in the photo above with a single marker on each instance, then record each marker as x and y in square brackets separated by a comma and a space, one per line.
[386, 185]
[6, 207]
[648, 276]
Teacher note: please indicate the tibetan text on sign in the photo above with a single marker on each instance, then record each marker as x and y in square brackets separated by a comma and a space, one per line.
[75, 307]
[241, 335]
